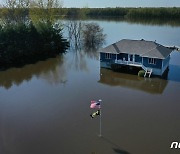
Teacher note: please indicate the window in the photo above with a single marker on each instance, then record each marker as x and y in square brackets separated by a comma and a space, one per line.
[131, 57]
[108, 55]
[152, 61]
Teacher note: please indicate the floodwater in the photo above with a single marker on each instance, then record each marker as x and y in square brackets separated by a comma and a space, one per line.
[44, 107]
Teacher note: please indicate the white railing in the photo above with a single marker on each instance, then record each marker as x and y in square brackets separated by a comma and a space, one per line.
[131, 63]
[127, 62]
[147, 71]
[144, 68]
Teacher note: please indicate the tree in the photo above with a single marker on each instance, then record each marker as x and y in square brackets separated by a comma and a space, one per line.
[74, 29]
[44, 10]
[93, 36]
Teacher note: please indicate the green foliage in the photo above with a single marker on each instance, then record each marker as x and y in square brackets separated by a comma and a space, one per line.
[165, 13]
[141, 73]
[24, 39]
[20, 44]
[93, 36]
[120, 12]
[170, 13]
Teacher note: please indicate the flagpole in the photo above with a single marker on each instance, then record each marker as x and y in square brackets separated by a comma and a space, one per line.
[100, 123]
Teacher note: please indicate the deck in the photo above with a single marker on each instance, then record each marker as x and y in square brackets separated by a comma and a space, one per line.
[148, 71]
[129, 63]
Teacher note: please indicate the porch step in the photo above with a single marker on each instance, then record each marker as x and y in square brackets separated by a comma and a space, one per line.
[147, 71]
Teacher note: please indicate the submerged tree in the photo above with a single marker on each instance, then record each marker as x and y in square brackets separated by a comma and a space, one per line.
[85, 35]
[74, 29]
[93, 36]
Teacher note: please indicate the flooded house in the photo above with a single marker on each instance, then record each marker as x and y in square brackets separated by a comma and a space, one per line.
[150, 56]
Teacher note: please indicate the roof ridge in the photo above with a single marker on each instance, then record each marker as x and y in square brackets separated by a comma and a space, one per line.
[149, 51]
[159, 50]
[116, 48]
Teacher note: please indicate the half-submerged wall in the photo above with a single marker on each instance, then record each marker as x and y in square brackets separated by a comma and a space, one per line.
[165, 64]
[155, 65]
[158, 66]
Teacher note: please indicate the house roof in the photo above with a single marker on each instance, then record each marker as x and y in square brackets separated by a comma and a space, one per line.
[139, 47]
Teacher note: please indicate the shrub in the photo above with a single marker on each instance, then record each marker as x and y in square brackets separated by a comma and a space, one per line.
[141, 73]
[21, 44]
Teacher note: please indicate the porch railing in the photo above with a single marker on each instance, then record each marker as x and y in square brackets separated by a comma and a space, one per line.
[127, 62]
[132, 63]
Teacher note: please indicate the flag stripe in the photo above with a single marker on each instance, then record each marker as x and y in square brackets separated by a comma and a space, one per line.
[95, 104]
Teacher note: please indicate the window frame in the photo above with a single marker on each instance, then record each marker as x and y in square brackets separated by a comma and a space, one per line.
[108, 55]
[152, 61]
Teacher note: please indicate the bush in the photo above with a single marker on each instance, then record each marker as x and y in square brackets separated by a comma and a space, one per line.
[21, 44]
[141, 73]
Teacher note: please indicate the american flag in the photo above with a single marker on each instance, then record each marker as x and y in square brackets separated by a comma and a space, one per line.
[95, 104]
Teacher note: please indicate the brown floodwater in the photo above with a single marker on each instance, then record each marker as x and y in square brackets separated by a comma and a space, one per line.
[44, 108]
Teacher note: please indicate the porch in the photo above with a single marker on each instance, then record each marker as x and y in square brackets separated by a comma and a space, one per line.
[148, 71]
[130, 63]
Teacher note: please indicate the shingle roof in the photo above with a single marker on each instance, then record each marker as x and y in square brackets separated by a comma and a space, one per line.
[139, 47]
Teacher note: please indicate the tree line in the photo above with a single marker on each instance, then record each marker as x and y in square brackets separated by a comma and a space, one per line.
[172, 13]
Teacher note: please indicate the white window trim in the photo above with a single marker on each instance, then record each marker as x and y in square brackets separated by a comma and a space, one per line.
[152, 61]
[108, 55]
[133, 57]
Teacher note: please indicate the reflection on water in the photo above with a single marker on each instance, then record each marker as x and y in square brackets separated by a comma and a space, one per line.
[84, 36]
[85, 40]
[92, 53]
[51, 70]
[148, 21]
[157, 21]
[174, 73]
[116, 147]
[140, 116]
[149, 85]
[77, 61]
